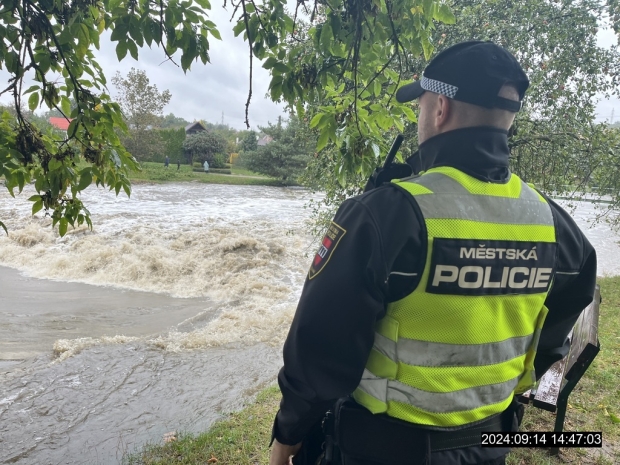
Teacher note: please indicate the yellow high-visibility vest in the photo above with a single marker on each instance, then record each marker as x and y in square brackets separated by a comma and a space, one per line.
[458, 348]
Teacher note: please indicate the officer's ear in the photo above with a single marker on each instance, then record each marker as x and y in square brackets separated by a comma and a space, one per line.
[443, 111]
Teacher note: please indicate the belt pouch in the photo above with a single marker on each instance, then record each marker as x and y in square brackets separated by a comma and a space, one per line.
[379, 438]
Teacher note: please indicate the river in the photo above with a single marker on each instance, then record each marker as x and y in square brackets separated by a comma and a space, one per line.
[169, 313]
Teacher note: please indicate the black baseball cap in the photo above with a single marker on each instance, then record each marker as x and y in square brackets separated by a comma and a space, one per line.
[471, 72]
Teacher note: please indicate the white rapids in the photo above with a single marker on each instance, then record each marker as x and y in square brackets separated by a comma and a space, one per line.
[195, 287]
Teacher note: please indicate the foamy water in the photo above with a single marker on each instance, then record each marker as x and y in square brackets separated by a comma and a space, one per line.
[243, 247]
[234, 256]
[604, 238]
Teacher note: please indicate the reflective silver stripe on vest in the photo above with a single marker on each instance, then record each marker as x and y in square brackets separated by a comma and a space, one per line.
[488, 209]
[448, 402]
[435, 354]
[385, 346]
[440, 182]
[374, 386]
[527, 209]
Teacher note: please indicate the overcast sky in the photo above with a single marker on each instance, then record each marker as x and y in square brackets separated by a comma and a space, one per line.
[221, 86]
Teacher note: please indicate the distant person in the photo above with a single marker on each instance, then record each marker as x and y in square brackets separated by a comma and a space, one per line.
[166, 162]
[178, 164]
[206, 166]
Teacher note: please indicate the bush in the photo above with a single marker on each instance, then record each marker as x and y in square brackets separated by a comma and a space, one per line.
[218, 161]
[203, 146]
[197, 165]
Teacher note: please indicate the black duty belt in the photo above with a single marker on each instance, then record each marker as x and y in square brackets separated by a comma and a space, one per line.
[384, 439]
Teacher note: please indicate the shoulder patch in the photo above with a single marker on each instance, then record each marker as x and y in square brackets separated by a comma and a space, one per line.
[329, 243]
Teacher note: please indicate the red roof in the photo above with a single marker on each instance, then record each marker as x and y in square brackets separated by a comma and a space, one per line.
[60, 123]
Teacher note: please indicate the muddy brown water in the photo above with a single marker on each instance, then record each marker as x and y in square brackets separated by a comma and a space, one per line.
[169, 313]
[37, 312]
[111, 396]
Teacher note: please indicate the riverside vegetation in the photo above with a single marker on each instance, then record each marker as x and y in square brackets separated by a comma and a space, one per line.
[242, 438]
[155, 172]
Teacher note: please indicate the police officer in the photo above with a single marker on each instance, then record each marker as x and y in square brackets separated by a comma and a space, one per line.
[434, 299]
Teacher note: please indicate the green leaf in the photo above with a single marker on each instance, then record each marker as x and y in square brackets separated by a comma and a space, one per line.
[44, 63]
[72, 128]
[239, 28]
[119, 32]
[31, 89]
[6, 231]
[133, 49]
[428, 47]
[335, 24]
[445, 15]
[316, 119]
[323, 140]
[614, 418]
[215, 33]
[428, 8]
[121, 50]
[377, 87]
[326, 37]
[83, 34]
[272, 40]
[186, 61]
[33, 101]
[276, 91]
[270, 63]
[409, 114]
[65, 104]
[135, 30]
[86, 179]
[62, 227]
[147, 32]
[37, 206]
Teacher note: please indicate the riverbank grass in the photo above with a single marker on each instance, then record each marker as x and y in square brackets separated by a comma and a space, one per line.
[242, 437]
[155, 172]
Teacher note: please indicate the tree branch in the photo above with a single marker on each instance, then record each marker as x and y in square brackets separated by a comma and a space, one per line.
[247, 103]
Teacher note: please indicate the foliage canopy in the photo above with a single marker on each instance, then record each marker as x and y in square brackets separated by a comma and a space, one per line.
[52, 41]
[287, 156]
[556, 142]
[338, 63]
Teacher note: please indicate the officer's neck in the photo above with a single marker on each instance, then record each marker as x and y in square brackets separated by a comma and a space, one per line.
[480, 151]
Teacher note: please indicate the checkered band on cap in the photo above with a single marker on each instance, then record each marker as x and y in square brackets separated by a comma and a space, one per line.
[438, 87]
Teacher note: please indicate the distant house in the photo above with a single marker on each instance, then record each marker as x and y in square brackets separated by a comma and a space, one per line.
[60, 123]
[264, 140]
[194, 128]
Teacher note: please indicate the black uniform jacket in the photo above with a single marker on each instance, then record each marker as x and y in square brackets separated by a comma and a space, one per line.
[373, 263]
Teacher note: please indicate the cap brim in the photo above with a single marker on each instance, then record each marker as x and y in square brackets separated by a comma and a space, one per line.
[409, 92]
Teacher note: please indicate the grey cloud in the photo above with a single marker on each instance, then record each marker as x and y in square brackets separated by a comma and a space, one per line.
[206, 90]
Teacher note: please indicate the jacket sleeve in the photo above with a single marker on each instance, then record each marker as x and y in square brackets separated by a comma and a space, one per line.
[572, 291]
[332, 332]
